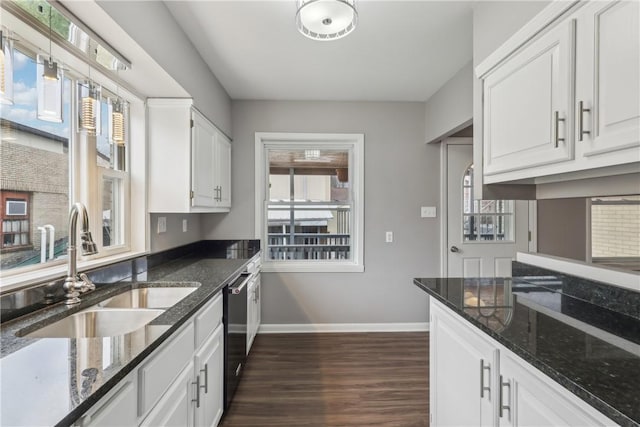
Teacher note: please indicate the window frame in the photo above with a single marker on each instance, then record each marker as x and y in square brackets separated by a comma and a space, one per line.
[13, 195]
[354, 142]
[85, 175]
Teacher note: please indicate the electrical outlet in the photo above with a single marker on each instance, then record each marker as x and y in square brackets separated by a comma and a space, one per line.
[428, 211]
[162, 224]
[389, 236]
[185, 225]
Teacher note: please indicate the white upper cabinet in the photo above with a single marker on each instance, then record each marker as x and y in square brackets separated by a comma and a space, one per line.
[526, 105]
[189, 160]
[608, 78]
[563, 95]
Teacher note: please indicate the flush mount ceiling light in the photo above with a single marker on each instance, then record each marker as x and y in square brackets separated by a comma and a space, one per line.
[326, 19]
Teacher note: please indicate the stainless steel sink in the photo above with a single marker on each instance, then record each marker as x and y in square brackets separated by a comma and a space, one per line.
[147, 298]
[97, 323]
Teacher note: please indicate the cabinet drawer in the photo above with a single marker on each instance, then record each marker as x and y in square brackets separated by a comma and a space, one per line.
[157, 374]
[208, 319]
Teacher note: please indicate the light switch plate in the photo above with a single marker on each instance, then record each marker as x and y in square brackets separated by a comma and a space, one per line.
[162, 224]
[428, 211]
[389, 236]
[185, 225]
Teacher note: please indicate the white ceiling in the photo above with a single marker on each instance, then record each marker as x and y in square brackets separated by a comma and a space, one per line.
[400, 51]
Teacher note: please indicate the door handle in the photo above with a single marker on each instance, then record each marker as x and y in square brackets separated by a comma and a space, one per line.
[454, 249]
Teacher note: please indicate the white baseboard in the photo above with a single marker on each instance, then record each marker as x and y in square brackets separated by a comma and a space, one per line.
[301, 328]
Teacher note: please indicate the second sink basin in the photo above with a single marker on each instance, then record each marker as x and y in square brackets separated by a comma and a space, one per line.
[97, 323]
[148, 298]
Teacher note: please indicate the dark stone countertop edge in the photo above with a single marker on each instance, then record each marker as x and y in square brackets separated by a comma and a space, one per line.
[597, 403]
[174, 318]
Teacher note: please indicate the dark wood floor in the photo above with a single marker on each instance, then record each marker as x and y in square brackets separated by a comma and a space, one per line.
[346, 379]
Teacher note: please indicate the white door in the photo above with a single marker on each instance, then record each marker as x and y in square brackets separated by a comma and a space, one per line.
[482, 235]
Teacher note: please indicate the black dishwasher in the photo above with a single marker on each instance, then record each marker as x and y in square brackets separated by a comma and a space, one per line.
[235, 334]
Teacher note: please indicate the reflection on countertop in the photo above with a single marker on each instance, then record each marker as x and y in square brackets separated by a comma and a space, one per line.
[53, 381]
[591, 350]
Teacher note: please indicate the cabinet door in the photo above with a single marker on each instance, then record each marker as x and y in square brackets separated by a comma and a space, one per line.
[608, 79]
[223, 170]
[118, 409]
[251, 313]
[462, 370]
[176, 406]
[530, 398]
[209, 362]
[528, 105]
[202, 162]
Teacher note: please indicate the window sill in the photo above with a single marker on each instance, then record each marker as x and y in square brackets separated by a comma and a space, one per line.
[311, 267]
[59, 270]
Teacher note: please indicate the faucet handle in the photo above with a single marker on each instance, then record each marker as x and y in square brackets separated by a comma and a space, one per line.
[88, 284]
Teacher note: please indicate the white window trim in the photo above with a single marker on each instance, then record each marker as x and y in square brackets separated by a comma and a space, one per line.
[355, 141]
[137, 217]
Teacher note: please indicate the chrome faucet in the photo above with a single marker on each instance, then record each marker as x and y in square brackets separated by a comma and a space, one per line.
[74, 285]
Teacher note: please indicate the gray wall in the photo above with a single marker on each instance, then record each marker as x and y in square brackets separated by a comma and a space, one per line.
[450, 109]
[174, 235]
[153, 27]
[558, 236]
[401, 174]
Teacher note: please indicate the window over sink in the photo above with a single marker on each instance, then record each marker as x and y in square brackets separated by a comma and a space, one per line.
[50, 160]
[309, 200]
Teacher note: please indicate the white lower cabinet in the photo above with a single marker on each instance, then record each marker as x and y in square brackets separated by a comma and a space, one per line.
[462, 390]
[175, 406]
[180, 384]
[475, 381]
[253, 310]
[530, 398]
[209, 365]
[117, 408]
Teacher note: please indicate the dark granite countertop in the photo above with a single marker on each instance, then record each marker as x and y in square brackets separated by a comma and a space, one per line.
[53, 381]
[591, 350]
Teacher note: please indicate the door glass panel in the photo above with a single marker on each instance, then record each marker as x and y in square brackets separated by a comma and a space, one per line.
[485, 220]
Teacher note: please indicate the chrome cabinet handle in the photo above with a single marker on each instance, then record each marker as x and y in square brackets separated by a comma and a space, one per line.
[482, 387]
[501, 406]
[581, 111]
[197, 399]
[557, 120]
[206, 378]
[454, 249]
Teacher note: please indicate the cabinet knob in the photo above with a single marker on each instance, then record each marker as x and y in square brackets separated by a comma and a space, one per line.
[454, 249]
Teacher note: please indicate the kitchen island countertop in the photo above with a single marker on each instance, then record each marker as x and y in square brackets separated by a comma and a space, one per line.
[592, 351]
